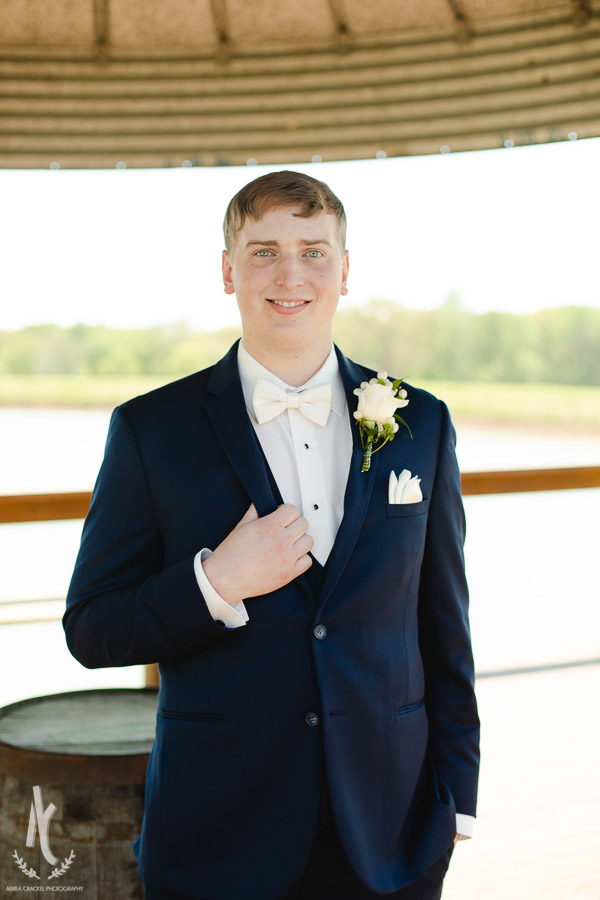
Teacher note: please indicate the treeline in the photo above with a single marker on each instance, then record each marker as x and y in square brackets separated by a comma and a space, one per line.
[97, 350]
[558, 346]
[553, 346]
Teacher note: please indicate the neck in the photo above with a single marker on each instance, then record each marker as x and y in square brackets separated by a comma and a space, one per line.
[295, 367]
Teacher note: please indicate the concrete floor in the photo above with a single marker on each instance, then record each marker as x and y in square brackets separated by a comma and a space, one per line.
[537, 834]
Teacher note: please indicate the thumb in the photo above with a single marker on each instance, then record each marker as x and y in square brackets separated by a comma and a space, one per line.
[249, 516]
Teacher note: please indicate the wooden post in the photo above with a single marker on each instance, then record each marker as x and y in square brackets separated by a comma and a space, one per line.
[152, 676]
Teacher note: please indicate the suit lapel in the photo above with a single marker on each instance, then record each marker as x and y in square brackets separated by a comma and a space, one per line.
[228, 415]
[358, 488]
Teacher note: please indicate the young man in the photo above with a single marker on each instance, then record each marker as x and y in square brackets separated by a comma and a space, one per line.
[317, 732]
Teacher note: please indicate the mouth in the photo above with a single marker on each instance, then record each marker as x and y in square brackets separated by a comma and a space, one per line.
[288, 304]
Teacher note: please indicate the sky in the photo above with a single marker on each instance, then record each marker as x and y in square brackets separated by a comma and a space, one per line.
[513, 229]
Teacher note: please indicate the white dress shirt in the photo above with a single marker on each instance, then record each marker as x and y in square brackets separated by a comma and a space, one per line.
[310, 465]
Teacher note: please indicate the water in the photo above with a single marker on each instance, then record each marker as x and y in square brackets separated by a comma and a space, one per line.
[530, 557]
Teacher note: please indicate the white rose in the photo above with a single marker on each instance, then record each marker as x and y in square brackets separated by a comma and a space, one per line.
[377, 403]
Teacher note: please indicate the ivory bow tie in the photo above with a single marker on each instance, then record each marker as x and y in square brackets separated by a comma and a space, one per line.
[269, 401]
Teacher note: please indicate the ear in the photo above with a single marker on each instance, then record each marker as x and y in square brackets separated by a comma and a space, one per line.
[227, 270]
[345, 268]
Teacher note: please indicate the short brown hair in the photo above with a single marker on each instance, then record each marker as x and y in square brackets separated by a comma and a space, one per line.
[281, 189]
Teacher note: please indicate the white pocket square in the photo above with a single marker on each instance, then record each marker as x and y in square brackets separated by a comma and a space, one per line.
[405, 488]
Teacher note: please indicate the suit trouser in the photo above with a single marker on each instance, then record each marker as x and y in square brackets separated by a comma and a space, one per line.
[329, 877]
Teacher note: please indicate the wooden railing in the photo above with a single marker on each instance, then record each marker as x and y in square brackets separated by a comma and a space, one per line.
[44, 507]
[521, 480]
[53, 507]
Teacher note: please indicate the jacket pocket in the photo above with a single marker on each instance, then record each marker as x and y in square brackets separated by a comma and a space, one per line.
[184, 716]
[412, 707]
[406, 510]
[444, 794]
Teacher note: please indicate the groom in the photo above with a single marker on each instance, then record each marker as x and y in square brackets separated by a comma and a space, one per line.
[317, 732]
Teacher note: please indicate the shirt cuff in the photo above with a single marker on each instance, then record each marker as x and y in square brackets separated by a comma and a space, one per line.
[220, 610]
[464, 826]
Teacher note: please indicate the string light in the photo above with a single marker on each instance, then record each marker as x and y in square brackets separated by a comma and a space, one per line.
[572, 135]
[508, 143]
[55, 166]
[251, 162]
[381, 154]
[186, 164]
[317, 158]
[445, 149]
[121, 165]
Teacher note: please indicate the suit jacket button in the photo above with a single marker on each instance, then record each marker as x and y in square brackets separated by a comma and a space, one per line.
[311, 718]
[319, 632]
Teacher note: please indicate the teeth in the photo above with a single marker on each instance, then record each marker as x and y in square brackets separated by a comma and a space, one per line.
[289, 302]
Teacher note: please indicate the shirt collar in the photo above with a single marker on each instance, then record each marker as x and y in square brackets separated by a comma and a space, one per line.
[251, 370]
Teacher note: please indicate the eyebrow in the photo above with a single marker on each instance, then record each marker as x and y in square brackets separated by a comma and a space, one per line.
[303, 241]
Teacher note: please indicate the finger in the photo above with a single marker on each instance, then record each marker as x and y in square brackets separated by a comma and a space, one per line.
[302, 564]
[296, 529]
[286, 514]
[249, 516]
[303, 545]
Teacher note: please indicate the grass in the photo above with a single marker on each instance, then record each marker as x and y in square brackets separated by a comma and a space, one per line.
[519, 403]
[73, 390]
[491, 402]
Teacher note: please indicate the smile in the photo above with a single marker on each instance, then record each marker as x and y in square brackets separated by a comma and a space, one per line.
[288, 304]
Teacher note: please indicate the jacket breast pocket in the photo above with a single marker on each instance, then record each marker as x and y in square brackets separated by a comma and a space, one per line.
[406, 510]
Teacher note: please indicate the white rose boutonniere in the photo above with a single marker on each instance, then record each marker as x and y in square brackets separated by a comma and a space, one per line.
[378, 400]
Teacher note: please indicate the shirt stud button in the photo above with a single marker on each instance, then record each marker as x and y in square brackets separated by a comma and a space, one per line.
[320, 632]
[306, 446]
[312, 719]
[315, 505]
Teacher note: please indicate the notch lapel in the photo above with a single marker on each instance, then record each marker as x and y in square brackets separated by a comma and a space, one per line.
[228, 415]
[358, 488]
[229, 418]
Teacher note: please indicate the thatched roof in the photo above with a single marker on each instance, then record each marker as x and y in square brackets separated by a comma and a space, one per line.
[92, 83]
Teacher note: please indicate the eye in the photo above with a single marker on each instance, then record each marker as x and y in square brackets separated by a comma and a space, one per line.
[264, 253]
[314, 254]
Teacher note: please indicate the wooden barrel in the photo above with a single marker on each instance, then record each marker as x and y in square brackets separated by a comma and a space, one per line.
[85, 754]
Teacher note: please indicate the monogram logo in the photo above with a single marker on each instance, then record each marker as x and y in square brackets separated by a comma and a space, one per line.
[39, 824]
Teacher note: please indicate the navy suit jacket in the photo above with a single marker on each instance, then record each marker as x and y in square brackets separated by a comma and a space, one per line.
[233, 785]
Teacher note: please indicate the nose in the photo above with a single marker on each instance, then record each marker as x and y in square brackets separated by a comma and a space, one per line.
[289, 273]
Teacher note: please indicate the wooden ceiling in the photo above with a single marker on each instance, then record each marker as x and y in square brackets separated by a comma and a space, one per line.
[153, 83]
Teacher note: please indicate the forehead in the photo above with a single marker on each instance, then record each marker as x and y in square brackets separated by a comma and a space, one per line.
[280, 223]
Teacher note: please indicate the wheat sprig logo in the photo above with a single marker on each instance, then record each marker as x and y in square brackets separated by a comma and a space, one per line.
[27, 870]
[39, 825]
[66, 865]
